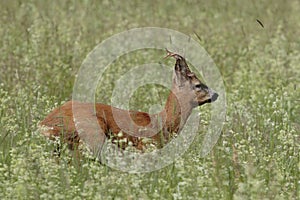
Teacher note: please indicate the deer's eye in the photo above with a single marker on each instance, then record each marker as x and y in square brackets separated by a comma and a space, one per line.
[200, 86]
[197, 87]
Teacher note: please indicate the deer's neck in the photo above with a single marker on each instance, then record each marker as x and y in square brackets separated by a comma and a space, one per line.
[176, 112]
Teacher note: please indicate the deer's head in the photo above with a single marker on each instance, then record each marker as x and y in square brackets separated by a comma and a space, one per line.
[187, 86]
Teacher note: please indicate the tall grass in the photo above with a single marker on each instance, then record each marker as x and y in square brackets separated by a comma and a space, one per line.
[257, 156]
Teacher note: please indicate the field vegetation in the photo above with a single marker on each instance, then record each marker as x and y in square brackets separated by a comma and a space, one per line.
[43, 44]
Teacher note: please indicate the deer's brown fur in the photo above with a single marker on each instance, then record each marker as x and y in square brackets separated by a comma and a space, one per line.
[187, 92]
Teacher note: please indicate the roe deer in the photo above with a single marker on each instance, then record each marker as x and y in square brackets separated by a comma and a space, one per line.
[187, 92]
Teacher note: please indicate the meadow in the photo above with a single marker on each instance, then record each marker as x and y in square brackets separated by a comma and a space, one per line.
[256, 46]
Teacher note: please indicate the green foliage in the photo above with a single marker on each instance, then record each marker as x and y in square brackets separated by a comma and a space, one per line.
[257, 156]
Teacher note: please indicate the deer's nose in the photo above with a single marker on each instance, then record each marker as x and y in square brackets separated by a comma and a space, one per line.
[213, 96]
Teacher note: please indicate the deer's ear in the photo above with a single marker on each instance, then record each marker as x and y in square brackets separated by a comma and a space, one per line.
[182, 72]
[181, 66]
[179, 78]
